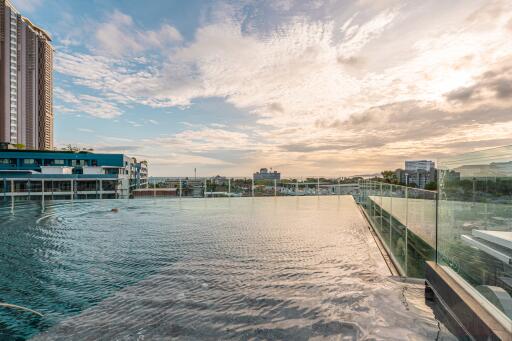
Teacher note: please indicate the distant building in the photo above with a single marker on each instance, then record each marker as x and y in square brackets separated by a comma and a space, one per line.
[419, 177]
[426, 165]
[491, 170]
[264, 174]
[449, 176]
[140, 169]
[26, 81]
[419, 172]
[154, 192]
[219, 180]
[193, 187]
[69, 175]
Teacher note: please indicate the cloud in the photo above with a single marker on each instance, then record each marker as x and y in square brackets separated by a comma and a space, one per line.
[27, 5]
[494, 85]
[84, 103]
[118, 35]
[85, 130]
[321, 90]
[357, 36]
[207, 139]
[134, 124]
[117, 149]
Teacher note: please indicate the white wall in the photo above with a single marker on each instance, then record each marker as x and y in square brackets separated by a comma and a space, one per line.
[56, 170]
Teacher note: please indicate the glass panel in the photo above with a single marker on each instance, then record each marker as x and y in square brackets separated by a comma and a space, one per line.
[404, 218]
[475, 224]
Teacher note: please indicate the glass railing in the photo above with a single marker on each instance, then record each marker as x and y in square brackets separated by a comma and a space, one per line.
[475, 225]
[249, 187]
[405, 220]
[195, 187]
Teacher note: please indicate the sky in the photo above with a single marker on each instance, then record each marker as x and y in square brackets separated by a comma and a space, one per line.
[317, 87]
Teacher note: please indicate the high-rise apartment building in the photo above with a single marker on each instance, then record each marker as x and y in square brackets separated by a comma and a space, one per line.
[26, 81]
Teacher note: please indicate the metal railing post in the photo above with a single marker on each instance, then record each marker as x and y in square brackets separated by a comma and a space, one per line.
[181, 187]
[406, 227]
[437, 224]
[381, 205]
[72, 190]
[252, 187]
[275, 187]
[229, 187]
[205, 187]
[42, 195]
[391, 217]
[12, 196]
[317, 186]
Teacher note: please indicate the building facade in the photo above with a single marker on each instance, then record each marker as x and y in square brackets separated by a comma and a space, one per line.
[264, 174]
[426, 165]
[26, 81]
[69, 175]
[418, 177]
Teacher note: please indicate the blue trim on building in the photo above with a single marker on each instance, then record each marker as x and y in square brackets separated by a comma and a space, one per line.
[29, 176]
[48, 159]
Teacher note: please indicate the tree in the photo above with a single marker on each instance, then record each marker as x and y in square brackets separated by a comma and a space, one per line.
[19, 146]
[389, 176]
[431, 186]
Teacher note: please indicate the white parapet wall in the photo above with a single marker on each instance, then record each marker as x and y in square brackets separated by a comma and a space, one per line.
[56, 170]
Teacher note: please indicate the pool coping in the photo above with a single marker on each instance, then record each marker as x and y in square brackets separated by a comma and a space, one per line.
[463, 307]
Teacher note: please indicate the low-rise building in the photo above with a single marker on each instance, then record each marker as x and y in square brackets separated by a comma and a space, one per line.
[69, 175]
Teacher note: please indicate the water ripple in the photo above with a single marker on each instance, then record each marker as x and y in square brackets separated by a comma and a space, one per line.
[264, 268]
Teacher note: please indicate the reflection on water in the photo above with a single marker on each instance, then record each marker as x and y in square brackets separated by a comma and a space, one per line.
[263, 268]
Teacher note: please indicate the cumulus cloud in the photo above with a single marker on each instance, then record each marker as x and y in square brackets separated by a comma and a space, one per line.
[118, 35]
[84, 103]
[495, 85]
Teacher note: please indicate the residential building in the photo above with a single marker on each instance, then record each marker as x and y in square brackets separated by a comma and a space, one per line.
[141, 174]
[69, 175]
[26, 81]
[426, 165]
[264, 174]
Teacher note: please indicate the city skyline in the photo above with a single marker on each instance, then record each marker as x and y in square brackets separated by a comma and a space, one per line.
[320, 87]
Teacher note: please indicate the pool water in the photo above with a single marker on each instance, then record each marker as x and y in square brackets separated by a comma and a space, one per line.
[292, 268]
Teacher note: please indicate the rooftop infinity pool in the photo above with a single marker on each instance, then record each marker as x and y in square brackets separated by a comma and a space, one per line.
[291, 268]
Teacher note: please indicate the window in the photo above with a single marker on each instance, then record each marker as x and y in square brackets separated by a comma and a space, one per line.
[78, 163]
[58, 162]
[28, 161]
[5, 161]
